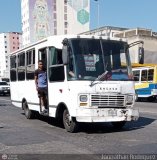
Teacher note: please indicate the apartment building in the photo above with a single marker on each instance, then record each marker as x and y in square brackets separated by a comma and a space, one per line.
[41, 18]
[9, 42]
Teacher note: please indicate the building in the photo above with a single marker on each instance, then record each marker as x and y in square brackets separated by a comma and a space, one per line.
[131, 35]
[108, 31]
[150, 44]
[9, 42]
[41, 18]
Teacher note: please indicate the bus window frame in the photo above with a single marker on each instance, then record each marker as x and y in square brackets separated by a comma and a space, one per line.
[31, 64]
[152, 75]
[139, 77]
[56, 65]
[21, 67]
[13, 68]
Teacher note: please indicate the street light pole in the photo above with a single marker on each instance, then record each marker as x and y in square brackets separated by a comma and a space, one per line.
[98, 12]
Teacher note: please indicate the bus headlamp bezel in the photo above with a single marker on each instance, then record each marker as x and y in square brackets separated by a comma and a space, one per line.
[83, 98]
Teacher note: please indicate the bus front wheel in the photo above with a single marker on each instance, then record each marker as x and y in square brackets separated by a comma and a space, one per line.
[28, 113]
[136, 97]
[151, 99]
[70, 124]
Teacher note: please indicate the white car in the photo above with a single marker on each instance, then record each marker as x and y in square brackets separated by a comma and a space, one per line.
[4, 88]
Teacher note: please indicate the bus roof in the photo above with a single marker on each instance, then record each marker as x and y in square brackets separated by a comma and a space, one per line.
[59, 38]
[134, 65]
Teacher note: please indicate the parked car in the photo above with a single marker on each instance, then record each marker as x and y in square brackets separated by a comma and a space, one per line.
[4, 88]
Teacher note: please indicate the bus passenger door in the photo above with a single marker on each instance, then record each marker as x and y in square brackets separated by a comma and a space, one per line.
[56, 78]
[42, 55]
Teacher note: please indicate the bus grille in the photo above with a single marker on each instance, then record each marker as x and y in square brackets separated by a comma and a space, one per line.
[104, 101]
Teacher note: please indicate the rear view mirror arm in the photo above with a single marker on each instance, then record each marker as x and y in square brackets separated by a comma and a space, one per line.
[135, 43]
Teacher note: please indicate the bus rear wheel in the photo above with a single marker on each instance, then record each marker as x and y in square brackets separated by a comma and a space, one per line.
[70, 124]
[28, 113]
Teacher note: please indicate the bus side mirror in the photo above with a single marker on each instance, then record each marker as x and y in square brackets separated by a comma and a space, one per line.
[141, 55]
[126, 48]
[65, 55]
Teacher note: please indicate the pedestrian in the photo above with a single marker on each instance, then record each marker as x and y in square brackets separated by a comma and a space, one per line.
[41, 85]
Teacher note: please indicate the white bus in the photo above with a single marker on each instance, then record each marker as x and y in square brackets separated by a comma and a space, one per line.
[101, 90]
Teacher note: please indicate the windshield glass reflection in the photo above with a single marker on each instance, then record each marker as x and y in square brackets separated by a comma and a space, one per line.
[91, 58]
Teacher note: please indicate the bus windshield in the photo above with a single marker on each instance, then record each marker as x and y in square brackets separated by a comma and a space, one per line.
[92, 58]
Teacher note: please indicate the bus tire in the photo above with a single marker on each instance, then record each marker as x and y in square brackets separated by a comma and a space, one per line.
[136, 97]
[70, 125]
[118, 125]
[151, 99]
[28, 113]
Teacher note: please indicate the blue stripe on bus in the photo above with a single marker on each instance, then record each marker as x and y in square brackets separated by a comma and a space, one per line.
[146, 91]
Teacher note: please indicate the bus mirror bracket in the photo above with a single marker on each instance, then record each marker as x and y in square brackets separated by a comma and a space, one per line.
[140, 52]
[135, 43]
[65, 55]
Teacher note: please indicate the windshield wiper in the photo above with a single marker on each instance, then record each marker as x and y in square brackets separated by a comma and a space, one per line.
[101, 78]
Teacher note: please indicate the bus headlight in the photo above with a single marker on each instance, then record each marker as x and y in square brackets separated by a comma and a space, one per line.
[129, 99]
[83, 98]
[154, 92]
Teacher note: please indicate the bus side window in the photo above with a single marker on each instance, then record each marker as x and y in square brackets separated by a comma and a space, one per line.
[30, 64]
[13, 69]
[150, 74]
[43, 56]
[56, 67]
[55, 56]
[144, 75]
[21, 67]
[59, 56]
[136, 78]
[136, 75]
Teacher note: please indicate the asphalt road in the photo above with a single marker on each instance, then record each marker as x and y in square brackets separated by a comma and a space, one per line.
[21, 138]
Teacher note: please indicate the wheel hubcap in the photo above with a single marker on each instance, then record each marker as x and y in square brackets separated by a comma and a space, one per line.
[67, 119]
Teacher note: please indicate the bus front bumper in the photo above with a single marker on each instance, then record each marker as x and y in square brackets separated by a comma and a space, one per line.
[107, 115]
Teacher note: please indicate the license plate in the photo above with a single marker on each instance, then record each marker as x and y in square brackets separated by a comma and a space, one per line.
[112, 112]
[5, 91]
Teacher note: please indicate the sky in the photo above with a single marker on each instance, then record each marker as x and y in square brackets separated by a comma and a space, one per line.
[117, 13]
